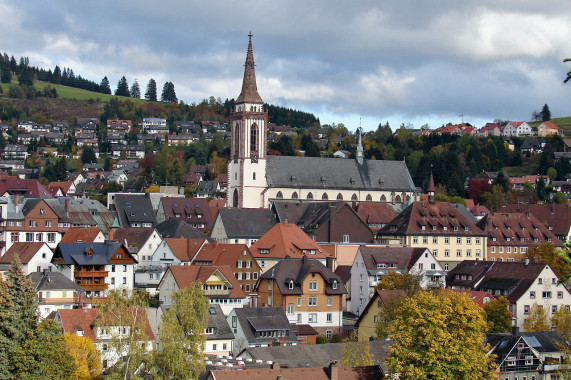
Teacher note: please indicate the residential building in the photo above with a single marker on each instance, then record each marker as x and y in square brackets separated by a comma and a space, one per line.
[15, 152]
[172, 228]
[128, 151]
[510, 235]
[260, 327]
[373, 262]
[308, 291]
[123, 126]
[242, 226]
[376, 214]
[490, 129]
[556, 217]
[219, 336]
[254, 178]
[34, 256]
[83, 235]
[133, 210]
[522, 283]
[546, 129]
[96, 267]
[218, 283]
[155, 125]
[366, 325]
[55, 292]
[517, 128]
[194, 211]
[286, 240]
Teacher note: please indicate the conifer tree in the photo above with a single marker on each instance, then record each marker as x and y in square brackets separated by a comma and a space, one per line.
[122, 88]
[135, 90]
[104, 87]
[151, 93]
[24, 299]
[7, 329]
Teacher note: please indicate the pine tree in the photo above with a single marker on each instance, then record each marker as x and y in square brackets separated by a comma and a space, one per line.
[169, 94]
[151, 93]
[135, 90]
[122, 87]
[7, 329]
[104, 87]
[24, 299]
[545, 113]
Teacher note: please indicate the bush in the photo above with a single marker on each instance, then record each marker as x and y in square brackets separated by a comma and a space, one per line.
[321, 339]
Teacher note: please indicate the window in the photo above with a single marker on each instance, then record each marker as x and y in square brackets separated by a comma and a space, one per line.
[329, 334]
[29, 236]
[458, 253]
[262, 263]
[334, 285]
[458, 240]
[329, 301]
[415, 240]
[346, 239]
[493, 250]
[375, 318]
[468, 240]
[329, 317]
[290, 309]
[526, 309]
[124, 280]
[529, 360]
[446, 266]
[446, 253]
[532, 295]
[553, 309]
[299, 318]
[312, 318]
[214, 347]
[33, 223]
[511, 361]
[540, 280]
[434, 240]
[312, 301]
[298, 301]
[224, 346]
[51, 237]
[477, 240]
[313, 285]
[424, 240]
[559, 294]
[478, 253]
[468, 253]
[447, 240]
[48, 223]
[290, 285]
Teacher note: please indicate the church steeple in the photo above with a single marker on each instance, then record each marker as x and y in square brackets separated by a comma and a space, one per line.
[360, 150]
[249, 92]
[431, 190]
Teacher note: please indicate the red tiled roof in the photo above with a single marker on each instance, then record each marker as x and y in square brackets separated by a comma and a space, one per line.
[286, 239]
[25, 251]
[375, 212]
[78, 235]
[222, 254]
[184, 275]
[185, 249]
[554, 216]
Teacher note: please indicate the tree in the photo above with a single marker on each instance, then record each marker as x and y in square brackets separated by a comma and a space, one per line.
[135, 90]
[498, 317]
[104, 87]
[569, 72]
[561, 322]
[545, 113]
[559, 198]
[557, 259]
[23, 300]
[496, 198]
[61, 169]
[395, 281]
[151, 93]
[182, 334]
[88, 156]
[356, 354]
[5, 74]
[169, 94]
[537, 319]
[86, 357]
[551, 173]
[439, 335]
[7, 329]
[122, 88]
[43, 354]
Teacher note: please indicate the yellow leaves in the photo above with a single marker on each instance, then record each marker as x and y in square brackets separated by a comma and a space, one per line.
[85, 355]
[537, 319]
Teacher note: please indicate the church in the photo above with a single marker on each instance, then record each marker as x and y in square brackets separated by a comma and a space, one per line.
[255, 178]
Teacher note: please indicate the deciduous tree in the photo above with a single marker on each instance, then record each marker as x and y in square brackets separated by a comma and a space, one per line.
[498, 317]
[356, 354]
[86, 357]
[557, 259]
[439, 335]
[537, 319]
[182, 334]
[395, 281]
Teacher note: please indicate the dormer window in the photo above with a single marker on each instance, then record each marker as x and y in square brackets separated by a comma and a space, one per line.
[444, 228]
[290, 285]
[434, 228]
[334, 285]
[423, 228]
[465, 228]
[264, 251]
[455, 228]
[381, 265]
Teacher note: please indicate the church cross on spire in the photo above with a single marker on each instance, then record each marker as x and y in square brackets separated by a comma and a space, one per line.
[249, 92]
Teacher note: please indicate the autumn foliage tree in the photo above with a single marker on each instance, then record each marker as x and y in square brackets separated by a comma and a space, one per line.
[536, 319]
[86, 357]
[498, 317]
[439, 335]
[557, 259]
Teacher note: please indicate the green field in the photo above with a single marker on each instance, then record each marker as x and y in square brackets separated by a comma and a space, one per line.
[72, 93]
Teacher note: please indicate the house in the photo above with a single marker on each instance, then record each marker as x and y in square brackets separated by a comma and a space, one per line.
[532, 145]
[67, 188]
[128, 151]
[140, 241]
[39, 224]
[218, 283]
[223, 182]
[490, 129]
[286, 240]
[15, 152]
[376, 214]
[155, 125]
[556, 217]
[546, 129]
[116, 138]
[510, 235]
[207, 189]
[440, 227]
[55, 292]
[96, 267]
[366, 325]
[133, 210]
[194, 211]
[528, 355]
[182, 139]
[87, 139]
[307, 291]
[34, 256]
[260, 327]
[103, 330]
[242, 226]
[522, 283]
[172, 228]
[517, 128]
[219, 336]
[238, 257]
[123, 126]
[325, 222]
[373, 262]
[119, 176]
[29, 188]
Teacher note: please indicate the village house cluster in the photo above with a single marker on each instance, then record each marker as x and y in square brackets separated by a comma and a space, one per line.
[295, 251]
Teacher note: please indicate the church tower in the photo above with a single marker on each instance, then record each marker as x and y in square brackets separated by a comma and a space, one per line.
[247, 166]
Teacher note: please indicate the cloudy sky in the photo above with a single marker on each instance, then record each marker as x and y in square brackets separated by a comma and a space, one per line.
[411, 62]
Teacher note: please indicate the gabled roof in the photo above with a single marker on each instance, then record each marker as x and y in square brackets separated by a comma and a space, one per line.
[440, 218]
[246, 223]
[134, 209]
[217, 321]
[384, 296]
[256, 319]
[25, 251]
[79, 235]
[221, 254]
[185, 249]
[133, 237]
[88, 253]
[173, 228]
[403, 257]
[188, 209]
[296, 270]
[555, 216]
[53, 281]
[286, 240]
[477, 296]
[376, 212]
[184, 275]
[31, 188]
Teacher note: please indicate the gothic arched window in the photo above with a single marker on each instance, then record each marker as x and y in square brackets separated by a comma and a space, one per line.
[235, 198]
[383, 198]
[369, 198]
[294, 195]
[324, 197]
[310, 195]
[279, 195]
[354, 197]
[254, 139]
[398, 199]
[339, 197]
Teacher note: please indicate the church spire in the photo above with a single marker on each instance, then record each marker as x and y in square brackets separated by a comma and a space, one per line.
[431, 189]
[249, 92]
[360, 150]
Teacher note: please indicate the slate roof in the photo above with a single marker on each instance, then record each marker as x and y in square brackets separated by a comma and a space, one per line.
[184, 275]
[246, 223]
[249, 93]
[315, 355]
[82, 212]
[218, 322]
[328, 173]
[207, 187]
[134, 209]
[53, 281]
[544, 342]
[442, 215]
[172, 228]
[285, 240]
[76, 253]
[513, 277]
[25, 251]
[297, 270]
[255, 319]
[516, 229]
[403, 257]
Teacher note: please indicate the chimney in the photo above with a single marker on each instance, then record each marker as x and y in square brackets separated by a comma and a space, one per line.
[216, 243]
[16, 199]
[275, 365]
[329, 263]
[515, 330]
[67, 206]
[333, 371]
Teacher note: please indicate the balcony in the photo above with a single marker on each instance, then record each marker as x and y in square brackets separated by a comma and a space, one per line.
[66, 300]
[90, 273]
[91, 287]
